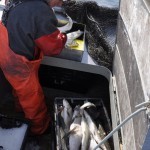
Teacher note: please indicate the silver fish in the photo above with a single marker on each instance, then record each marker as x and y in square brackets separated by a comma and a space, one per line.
[102, 134]
[63, 140]
[76, 133]
[85, 134]
[75, 138]
[93, 129]
[76, 112]
[61, 130]
[87, 104]
[67, 113]
[93, 144]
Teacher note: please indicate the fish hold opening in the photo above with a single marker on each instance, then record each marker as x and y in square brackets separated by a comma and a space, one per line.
[77, 87]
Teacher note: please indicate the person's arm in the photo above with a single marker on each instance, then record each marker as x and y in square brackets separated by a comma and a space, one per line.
[51, 44]
[48, 38]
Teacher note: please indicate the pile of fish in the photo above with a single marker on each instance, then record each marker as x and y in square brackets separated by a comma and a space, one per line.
[77, 130]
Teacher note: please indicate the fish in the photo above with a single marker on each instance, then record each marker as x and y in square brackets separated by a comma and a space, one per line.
[64, 141]
[66, 27]
[76, 112]
[94, 112]
[85, 134]
[93, 129]
[75, 133]
[102, 134]
[93, 144]
[67, 113]
[87, 104]
[60, 119]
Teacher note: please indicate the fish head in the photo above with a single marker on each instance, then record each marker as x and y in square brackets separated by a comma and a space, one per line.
[66, 104]
[76, 112]
[87, 105]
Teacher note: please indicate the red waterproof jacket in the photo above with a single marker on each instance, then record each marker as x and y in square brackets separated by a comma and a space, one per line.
[29, 34]
[32, 24]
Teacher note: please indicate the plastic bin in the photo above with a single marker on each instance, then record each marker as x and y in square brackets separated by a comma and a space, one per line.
[100, 117]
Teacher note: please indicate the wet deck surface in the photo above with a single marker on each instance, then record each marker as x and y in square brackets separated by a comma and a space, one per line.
[42, 142]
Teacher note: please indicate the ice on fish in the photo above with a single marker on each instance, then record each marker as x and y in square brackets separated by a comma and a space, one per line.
[76, 112]
[75, 140]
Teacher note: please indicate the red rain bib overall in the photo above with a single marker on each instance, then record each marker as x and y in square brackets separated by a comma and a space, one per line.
[22, 74]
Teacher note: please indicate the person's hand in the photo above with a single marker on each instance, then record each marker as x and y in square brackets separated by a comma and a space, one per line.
[72, 36]
[54, 3]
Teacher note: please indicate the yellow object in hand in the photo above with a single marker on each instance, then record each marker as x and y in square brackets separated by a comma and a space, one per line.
[80, 45]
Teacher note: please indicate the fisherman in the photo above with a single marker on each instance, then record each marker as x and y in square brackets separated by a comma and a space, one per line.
[27, 32]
